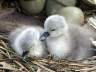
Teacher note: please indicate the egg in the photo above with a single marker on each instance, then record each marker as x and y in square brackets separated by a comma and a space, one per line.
[73, 15]
[55, 5]
[32, 6]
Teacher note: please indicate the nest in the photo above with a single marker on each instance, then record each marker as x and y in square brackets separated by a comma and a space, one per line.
[10, 62]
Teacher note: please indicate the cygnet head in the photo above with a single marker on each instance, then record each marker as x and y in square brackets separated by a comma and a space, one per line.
[54, 26]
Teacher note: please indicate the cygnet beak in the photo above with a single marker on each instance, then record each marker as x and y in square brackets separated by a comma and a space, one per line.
[25, 53]
[44, 36]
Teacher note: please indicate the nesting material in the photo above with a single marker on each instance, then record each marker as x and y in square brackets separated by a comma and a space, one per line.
[92, 21]
[92, 24]
[90, 2]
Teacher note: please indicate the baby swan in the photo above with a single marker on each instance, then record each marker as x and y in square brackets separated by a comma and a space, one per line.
[27, 39]
[66, 41]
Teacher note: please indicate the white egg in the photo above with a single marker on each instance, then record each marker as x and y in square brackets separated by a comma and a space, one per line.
[73, 15]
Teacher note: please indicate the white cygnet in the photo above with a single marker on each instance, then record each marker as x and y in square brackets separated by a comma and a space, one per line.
[27, 38]
[66, 41]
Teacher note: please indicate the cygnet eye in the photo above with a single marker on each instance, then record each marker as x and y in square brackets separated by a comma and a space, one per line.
[53, 30]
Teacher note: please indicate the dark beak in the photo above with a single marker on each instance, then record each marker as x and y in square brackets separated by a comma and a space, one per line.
[44, 36]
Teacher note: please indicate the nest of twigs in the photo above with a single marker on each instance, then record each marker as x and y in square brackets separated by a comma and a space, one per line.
[10, 62]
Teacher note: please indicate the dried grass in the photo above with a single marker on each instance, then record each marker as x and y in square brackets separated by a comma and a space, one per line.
[10, 62]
